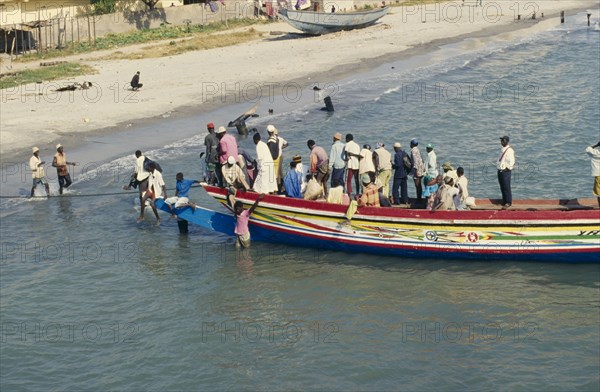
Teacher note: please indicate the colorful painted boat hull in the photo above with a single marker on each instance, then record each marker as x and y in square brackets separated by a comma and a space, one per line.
[317, 23]
[542, 235]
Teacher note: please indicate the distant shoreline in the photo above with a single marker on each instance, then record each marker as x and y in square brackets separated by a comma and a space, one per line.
[66, 120]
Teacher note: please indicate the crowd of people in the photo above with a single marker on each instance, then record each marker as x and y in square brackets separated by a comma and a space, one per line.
[371, 177]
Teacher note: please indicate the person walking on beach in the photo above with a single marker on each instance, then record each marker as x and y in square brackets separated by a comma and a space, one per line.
[319, 163]
[156, 190]
[60, 163]
[242, 217]
[418, 169]
[135, 82]
[36, 165]
[337, 165]
[265, 177]
[227, 148]
[594, 153]
[352, 155]
[212, 155]
[505, 165]
[400, 176]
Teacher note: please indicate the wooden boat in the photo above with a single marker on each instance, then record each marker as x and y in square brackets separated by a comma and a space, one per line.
[542, 230]
[317, 23]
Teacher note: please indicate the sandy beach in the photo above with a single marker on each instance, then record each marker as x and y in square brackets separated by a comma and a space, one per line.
[201, 81]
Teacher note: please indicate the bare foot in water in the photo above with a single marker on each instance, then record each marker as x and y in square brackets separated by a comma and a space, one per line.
[158, 222]
[140, 219]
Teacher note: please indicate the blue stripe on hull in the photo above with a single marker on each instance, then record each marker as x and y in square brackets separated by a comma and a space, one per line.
[267, 235]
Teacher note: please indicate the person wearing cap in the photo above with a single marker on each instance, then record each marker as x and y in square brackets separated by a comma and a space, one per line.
[319, 164]
[594, 153]
[292, 182]
[227, 148]
[36, 165]
[400, 175]
[300, 169]
[276, 145]
[233, 178]
[60, 163]
[211, 155]
[505, 165]
[418, 168]
[443, 199]
[351, 156]
[265, 177]
[156, 190]
[366, 164]
[449, 171]
[382, 160]
[431, 161]
[370, 195]
[462, 184]
[337, 164]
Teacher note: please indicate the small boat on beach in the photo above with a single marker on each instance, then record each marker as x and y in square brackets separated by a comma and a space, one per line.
[531, 230]
[317, 23]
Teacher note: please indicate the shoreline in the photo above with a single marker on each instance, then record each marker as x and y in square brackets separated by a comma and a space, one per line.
[78, 137]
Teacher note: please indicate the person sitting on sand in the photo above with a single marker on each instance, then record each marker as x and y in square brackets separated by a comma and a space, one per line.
[135, 81]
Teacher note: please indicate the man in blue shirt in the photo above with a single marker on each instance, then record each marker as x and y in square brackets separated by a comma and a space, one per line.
[337, 164]
[182, 189]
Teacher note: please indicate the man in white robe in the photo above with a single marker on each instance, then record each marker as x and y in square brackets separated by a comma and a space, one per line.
[265, 181]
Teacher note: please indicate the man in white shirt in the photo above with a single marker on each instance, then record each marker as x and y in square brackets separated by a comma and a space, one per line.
[36, 165]
[594, 153]
[156, 190]
[462, 184]
[505, 165]
[352, 154]
[431, 161]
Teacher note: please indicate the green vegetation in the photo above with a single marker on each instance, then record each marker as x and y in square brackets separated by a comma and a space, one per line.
[199, 42]
[45, 74]
[115, 41]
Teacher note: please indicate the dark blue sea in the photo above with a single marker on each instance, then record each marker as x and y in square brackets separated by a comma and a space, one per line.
[92, 300]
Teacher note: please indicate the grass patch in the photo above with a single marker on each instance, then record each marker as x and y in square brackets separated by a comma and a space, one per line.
[419, 2]
[165, 32]
[201, 42]
[45, 74]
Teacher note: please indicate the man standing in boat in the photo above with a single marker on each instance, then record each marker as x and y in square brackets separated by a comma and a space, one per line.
[336, 160]
[418, 169]
[505, 165]
[400, 176]
[212, 155]
[227, 148]
[319, 163]
[352, 155]
[594, 153]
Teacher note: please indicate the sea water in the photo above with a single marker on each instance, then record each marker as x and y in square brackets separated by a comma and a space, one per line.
[92, 300]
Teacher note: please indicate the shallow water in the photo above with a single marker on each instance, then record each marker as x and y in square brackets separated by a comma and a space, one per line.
[92, 300]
